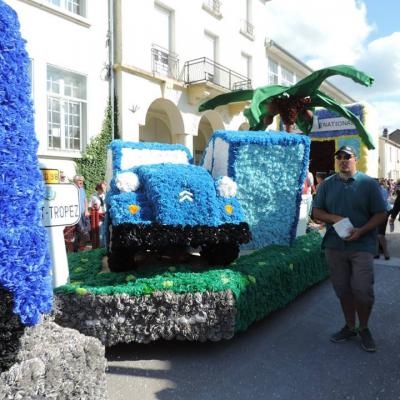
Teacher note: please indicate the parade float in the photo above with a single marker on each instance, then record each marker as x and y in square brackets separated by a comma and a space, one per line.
[38, 359]
[211, 301]
[190, 301]
[330, 131]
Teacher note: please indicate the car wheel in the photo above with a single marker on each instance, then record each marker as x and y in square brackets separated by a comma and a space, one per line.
[220, 254]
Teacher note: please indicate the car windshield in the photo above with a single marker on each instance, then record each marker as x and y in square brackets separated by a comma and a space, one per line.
[135, 157]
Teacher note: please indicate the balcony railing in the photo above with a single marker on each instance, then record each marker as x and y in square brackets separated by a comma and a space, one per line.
[247, 27]
[164, 62]
[205, 70]
[213, 5]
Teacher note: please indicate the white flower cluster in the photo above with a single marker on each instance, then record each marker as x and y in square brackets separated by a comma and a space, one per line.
[127, 182]
[226, 187]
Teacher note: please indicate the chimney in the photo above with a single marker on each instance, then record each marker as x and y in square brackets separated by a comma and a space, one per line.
[385, 133]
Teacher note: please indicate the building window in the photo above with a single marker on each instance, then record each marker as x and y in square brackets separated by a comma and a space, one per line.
[273, 72]
[279, 75]
[287, 77]
[66, 109]
[163, 27]
[73, 6]
[247, 27]
[246, 65]
[213, 5]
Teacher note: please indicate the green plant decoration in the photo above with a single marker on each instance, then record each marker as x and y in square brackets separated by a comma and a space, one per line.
[92, 165]
[295, 104]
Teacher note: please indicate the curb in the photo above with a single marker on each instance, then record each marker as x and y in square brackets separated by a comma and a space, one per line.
[393, 262]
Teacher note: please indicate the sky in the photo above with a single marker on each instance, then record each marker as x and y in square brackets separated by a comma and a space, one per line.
[362, 33]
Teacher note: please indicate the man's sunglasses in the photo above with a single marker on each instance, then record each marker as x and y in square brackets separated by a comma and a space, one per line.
[344, 157]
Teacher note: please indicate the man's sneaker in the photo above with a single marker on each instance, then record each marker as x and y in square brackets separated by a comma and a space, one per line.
[344, 334]
[367, 342]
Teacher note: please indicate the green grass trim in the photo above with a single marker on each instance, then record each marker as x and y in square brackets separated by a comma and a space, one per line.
[261, 282]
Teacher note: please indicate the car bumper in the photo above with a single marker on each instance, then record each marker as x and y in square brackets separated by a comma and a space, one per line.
[157, 236]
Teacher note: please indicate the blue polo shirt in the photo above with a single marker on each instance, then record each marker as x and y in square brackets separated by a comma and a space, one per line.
[358, 198]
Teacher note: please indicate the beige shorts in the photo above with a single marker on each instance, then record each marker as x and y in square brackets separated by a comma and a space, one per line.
[352, 272]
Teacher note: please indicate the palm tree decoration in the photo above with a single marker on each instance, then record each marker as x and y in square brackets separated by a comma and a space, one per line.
[295, 104]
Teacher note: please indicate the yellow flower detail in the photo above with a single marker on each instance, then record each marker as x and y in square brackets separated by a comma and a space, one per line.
[130, 278]
[133, 208]
[80, 291]
[225, 280]
[168, 284]
[229, 208]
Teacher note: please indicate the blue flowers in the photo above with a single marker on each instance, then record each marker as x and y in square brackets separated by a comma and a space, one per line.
[174, 194]
[269, 169]
[24, 258]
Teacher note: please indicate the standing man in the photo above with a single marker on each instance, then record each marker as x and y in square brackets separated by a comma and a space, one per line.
[356, 196]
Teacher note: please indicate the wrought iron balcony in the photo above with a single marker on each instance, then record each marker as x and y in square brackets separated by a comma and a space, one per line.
[164, 62]
[247, 28]
[205, 70]
[213, 5]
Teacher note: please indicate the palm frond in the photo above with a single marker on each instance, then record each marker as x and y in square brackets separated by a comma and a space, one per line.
[226, 98]
[312, 82]
[261, 96]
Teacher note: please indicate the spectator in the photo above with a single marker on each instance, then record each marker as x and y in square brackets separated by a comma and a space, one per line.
[63, 177]
[382, 244]
[320, 176]
[354, 195]
[82, 228]
[97, 200]
[308, 190]
[396, 208]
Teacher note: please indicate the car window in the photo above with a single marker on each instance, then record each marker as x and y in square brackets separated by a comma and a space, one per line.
[134, 157]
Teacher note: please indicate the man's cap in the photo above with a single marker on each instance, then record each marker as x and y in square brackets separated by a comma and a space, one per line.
[347, 150]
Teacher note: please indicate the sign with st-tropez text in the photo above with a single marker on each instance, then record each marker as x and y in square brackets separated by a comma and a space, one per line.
[61, 205]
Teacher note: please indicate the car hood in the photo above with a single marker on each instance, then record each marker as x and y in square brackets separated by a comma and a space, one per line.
[180, 194]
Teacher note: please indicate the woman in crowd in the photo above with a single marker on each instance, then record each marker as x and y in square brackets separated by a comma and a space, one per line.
[97, 202]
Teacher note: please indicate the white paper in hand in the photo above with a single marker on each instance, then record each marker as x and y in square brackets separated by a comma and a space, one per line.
[343, 228]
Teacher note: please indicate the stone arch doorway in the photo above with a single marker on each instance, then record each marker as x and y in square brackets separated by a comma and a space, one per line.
[163, 122]
[209, 122]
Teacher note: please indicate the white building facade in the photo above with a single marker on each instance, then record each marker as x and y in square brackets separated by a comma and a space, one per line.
[167, 58]
[171, 55]
[66, 42]
[389, 159]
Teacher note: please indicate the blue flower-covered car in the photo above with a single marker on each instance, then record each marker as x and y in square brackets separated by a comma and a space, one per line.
[158, 200]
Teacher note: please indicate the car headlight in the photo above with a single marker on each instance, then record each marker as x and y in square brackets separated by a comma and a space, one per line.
[226, 187]
[127, 182]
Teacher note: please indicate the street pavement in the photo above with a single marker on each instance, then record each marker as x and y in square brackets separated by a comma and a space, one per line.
[286, 356]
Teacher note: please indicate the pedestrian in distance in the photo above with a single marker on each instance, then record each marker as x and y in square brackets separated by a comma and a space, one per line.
[98, 203]
[396, 208]
[82, 228]
[382, 243]
[350, 194]
[320, 176]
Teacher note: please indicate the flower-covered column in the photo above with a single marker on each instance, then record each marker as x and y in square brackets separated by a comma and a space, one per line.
[24, 259]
